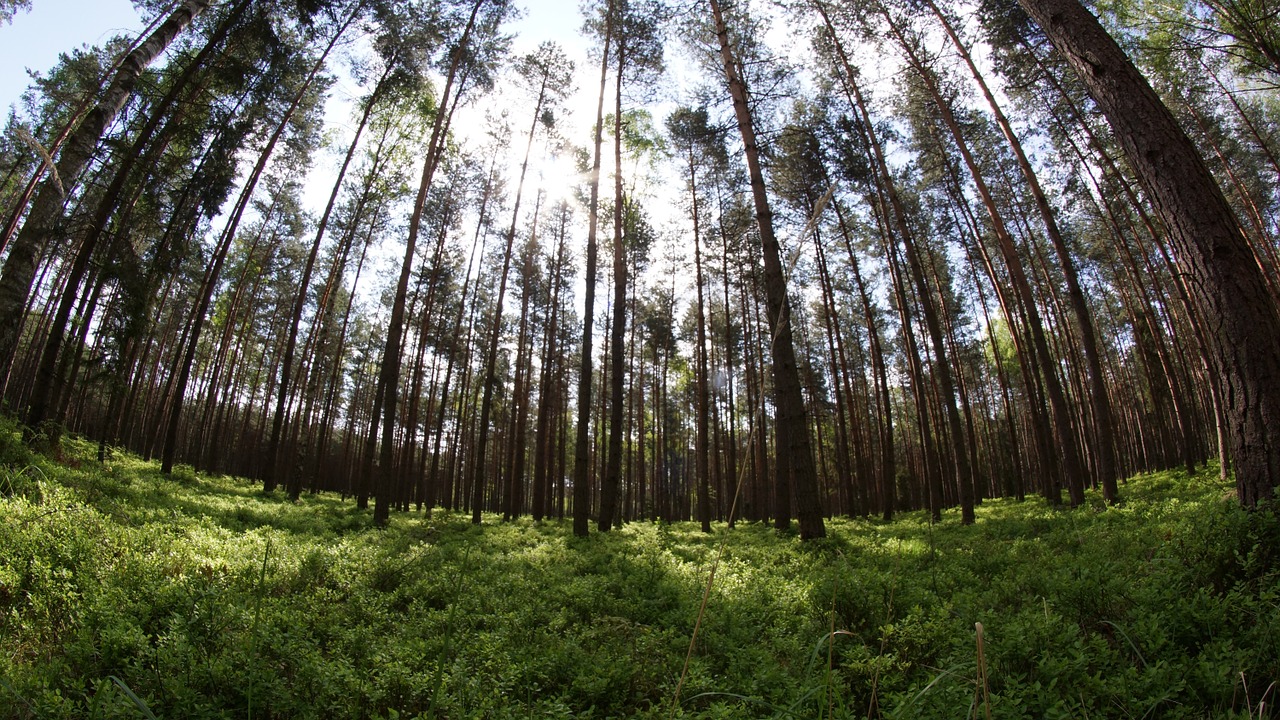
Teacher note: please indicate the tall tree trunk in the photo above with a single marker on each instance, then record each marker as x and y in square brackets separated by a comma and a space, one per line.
[42, 221]
[73, 122]
[49, 384]
[617, 375]
[519, 421]
[582, 434]
[1229, 288]
[792, 423]
[215, 269]
[701, 441]
[840, 384]
[544, 432]
[475, 258]
[884, 402]
[1069, 452]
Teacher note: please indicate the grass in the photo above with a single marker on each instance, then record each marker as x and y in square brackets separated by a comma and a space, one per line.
[124, 593]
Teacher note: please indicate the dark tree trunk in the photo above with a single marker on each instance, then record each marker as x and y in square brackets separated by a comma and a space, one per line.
[582, 434]
[1229, 288]
[792, 423]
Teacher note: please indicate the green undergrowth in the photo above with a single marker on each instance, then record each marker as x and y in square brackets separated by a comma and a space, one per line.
[125, 593]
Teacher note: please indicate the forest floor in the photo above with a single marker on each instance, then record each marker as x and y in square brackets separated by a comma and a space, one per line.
[125, 593]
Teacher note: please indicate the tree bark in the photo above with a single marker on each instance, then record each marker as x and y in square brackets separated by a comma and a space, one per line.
[792, 423]
[1244, 327]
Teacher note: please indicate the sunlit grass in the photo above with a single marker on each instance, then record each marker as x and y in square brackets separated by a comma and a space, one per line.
[205, 597]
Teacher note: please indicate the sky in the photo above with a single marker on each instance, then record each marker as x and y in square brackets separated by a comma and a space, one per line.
[36, 38]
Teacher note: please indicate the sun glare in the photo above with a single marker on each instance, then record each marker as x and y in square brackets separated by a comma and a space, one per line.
[555, 174]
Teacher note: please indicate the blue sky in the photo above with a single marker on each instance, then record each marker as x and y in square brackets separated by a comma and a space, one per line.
[35, 39]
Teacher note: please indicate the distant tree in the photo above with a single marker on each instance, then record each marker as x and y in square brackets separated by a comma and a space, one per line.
[693, 138]
[638, 49]
[162, 124]
[547, 74]
[1103, 427]
[397, 52]
[1067, 448]
[458, 344]
[303, 95]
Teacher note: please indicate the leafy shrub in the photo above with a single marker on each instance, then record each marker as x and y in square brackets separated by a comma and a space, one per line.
[13, 452]
[46, 439]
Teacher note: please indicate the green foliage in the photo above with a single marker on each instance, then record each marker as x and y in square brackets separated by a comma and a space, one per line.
[126, 593]
[15, 457]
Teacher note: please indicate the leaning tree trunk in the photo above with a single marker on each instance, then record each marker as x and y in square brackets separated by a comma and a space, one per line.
[48, 382]
[224, 244]
[617, 377]
[792, 423]
[42, 221]
[1072, 467]
[73, 122]
[1229, 287]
